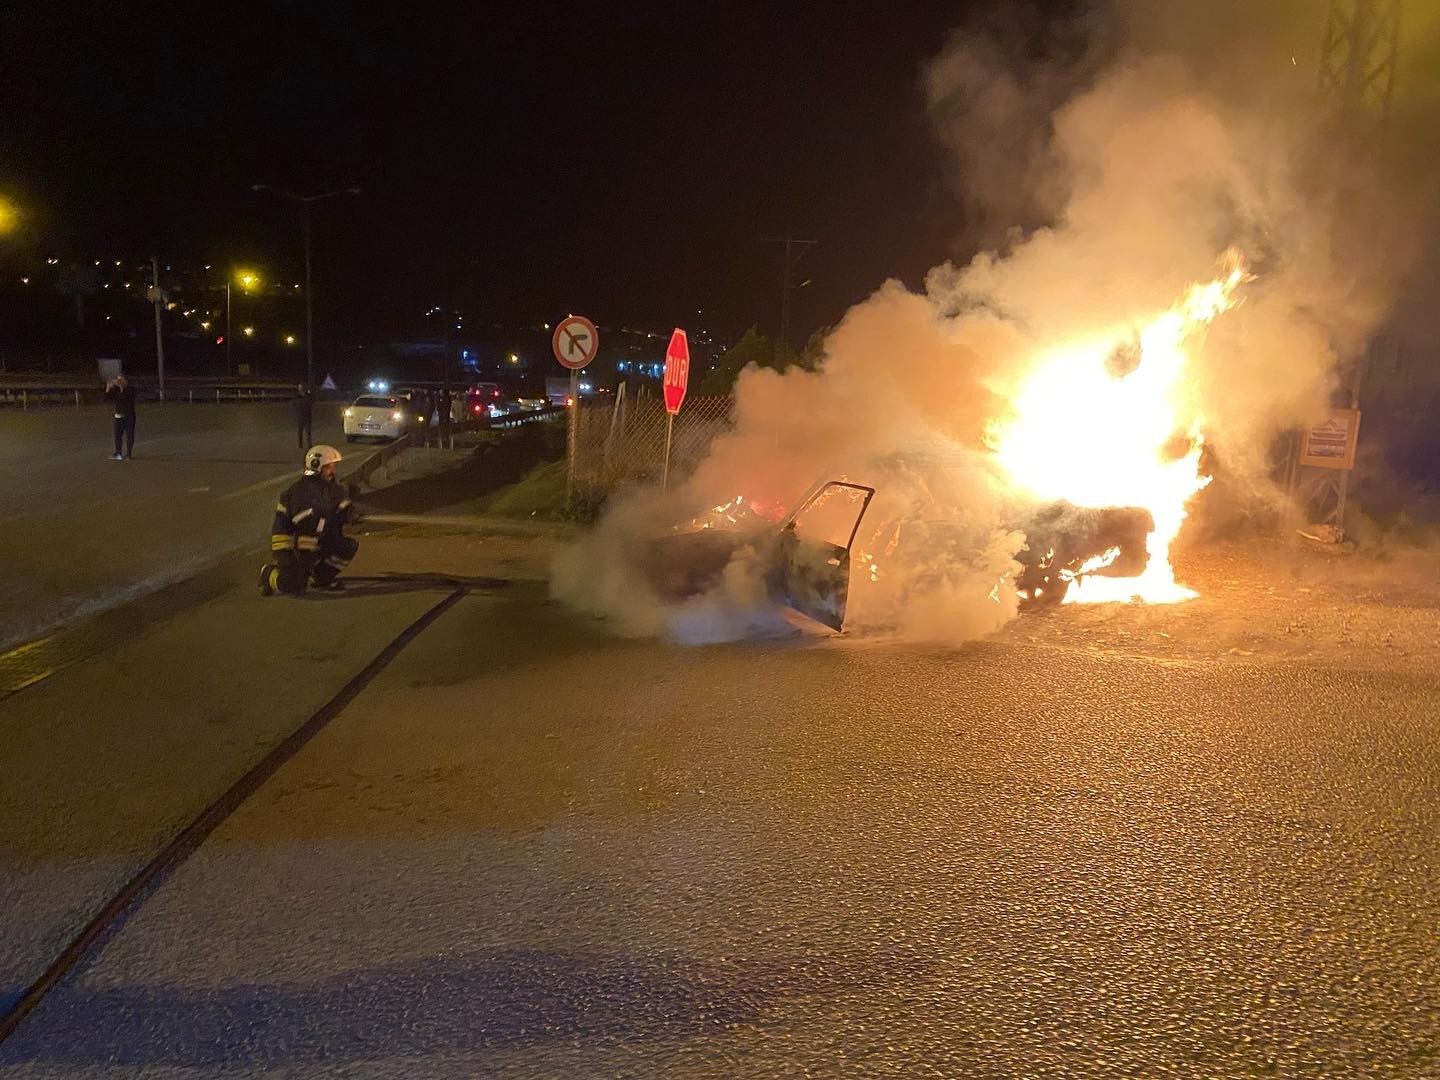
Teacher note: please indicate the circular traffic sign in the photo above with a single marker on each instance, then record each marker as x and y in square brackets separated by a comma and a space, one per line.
[575, 342]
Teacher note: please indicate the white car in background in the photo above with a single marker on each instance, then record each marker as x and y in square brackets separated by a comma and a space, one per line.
[378, 416]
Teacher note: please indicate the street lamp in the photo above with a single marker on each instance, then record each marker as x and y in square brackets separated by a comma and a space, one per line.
[246, 278]
[306, 201]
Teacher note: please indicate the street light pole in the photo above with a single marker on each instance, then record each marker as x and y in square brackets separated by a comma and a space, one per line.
[305, 202]
[228, 369]
[157, 299]
[309, 309]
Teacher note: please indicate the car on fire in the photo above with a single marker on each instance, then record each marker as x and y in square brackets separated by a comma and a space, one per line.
[807, 555]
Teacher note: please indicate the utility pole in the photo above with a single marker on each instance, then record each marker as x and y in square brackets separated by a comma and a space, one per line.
[445, 327]
[158, 298]
[306, 201]
[795, 250]
[1359, 57]
[1358, 62]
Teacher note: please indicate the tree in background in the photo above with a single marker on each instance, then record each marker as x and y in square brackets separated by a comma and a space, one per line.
[757, 349]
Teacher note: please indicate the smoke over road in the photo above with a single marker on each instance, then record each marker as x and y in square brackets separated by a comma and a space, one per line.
[1107, 171]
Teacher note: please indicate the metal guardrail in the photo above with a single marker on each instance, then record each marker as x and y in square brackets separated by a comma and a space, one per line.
[32, 395]
[27, 393]
[37, 393]
[365, 471]
[526, 416]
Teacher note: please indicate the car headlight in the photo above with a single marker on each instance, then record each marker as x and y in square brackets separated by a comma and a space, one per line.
[349, 412]
[397, 417]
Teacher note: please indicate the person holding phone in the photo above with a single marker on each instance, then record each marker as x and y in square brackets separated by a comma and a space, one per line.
[119, 391]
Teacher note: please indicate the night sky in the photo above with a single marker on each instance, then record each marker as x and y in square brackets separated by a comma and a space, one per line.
[626, 161]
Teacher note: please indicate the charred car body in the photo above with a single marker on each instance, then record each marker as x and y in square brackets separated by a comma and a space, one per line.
[806, 555]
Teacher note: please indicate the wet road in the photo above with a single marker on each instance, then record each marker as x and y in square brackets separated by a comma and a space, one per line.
[80, 533]
[531, 850]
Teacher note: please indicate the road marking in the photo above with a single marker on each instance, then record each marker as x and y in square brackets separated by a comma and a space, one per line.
[261, 485]
[185, 843]
[291, 475]
[27, 665]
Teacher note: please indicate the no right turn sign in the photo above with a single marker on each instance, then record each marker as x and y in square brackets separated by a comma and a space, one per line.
[575, 342]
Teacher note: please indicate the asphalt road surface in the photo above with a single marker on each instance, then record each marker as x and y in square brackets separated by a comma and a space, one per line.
[80, 533]
[531, 849]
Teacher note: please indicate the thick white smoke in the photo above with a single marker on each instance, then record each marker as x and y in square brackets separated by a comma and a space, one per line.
[1143, 170]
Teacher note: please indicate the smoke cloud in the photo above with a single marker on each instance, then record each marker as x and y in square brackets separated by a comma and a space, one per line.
[1107, 162]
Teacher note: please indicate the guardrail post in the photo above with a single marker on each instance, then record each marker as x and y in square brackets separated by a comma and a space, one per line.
[192, 397]
[77, 399]
[24, 400]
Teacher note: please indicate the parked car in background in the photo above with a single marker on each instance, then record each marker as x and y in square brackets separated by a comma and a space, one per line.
[557, 390]
[488, 399]
[378, 416]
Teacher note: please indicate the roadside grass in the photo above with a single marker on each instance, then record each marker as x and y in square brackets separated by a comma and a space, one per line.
[540, 493]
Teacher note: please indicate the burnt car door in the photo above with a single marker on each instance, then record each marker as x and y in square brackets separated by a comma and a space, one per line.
[809, 568]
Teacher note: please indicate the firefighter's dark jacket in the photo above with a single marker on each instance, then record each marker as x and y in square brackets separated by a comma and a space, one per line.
[308, 509]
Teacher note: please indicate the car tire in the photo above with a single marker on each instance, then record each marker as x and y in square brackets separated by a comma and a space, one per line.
[351, 438]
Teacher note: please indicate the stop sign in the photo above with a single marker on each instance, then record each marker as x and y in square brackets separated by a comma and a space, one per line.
[677, 370]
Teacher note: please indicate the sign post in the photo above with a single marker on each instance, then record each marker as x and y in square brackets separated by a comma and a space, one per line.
[1328, 446]
[677, 379]
[574, 343]
[157, 297]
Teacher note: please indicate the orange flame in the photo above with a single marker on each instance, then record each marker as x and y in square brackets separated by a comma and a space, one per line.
[1086, 433]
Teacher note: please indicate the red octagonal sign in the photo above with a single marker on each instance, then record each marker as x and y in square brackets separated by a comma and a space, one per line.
[677, 370]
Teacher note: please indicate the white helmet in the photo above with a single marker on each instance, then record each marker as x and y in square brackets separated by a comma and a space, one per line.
[317, 457]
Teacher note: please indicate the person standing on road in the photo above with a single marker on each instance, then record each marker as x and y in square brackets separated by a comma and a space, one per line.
[304, 415]
[119, 391]
[446, 405]
[308, 545]
[420, 402]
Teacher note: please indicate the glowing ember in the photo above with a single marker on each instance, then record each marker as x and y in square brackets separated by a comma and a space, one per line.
[1089, 566]
[1110, 423]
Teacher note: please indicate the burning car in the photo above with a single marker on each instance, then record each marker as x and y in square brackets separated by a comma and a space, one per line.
[808, 555]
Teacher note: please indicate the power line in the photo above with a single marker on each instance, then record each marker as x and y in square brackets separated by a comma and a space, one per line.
[792, 260]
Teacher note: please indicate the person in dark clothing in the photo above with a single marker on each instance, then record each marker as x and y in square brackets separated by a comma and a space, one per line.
[445, 405]
[119, 391]
[420, 402]
[308, 545]
[304, 415]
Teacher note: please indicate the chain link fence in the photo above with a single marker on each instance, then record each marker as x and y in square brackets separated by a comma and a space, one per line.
[623, 441]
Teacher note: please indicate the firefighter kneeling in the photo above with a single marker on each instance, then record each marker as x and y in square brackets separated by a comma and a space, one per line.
[307, 542]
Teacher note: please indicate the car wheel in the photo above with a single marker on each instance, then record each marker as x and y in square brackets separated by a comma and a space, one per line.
[351, 438]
